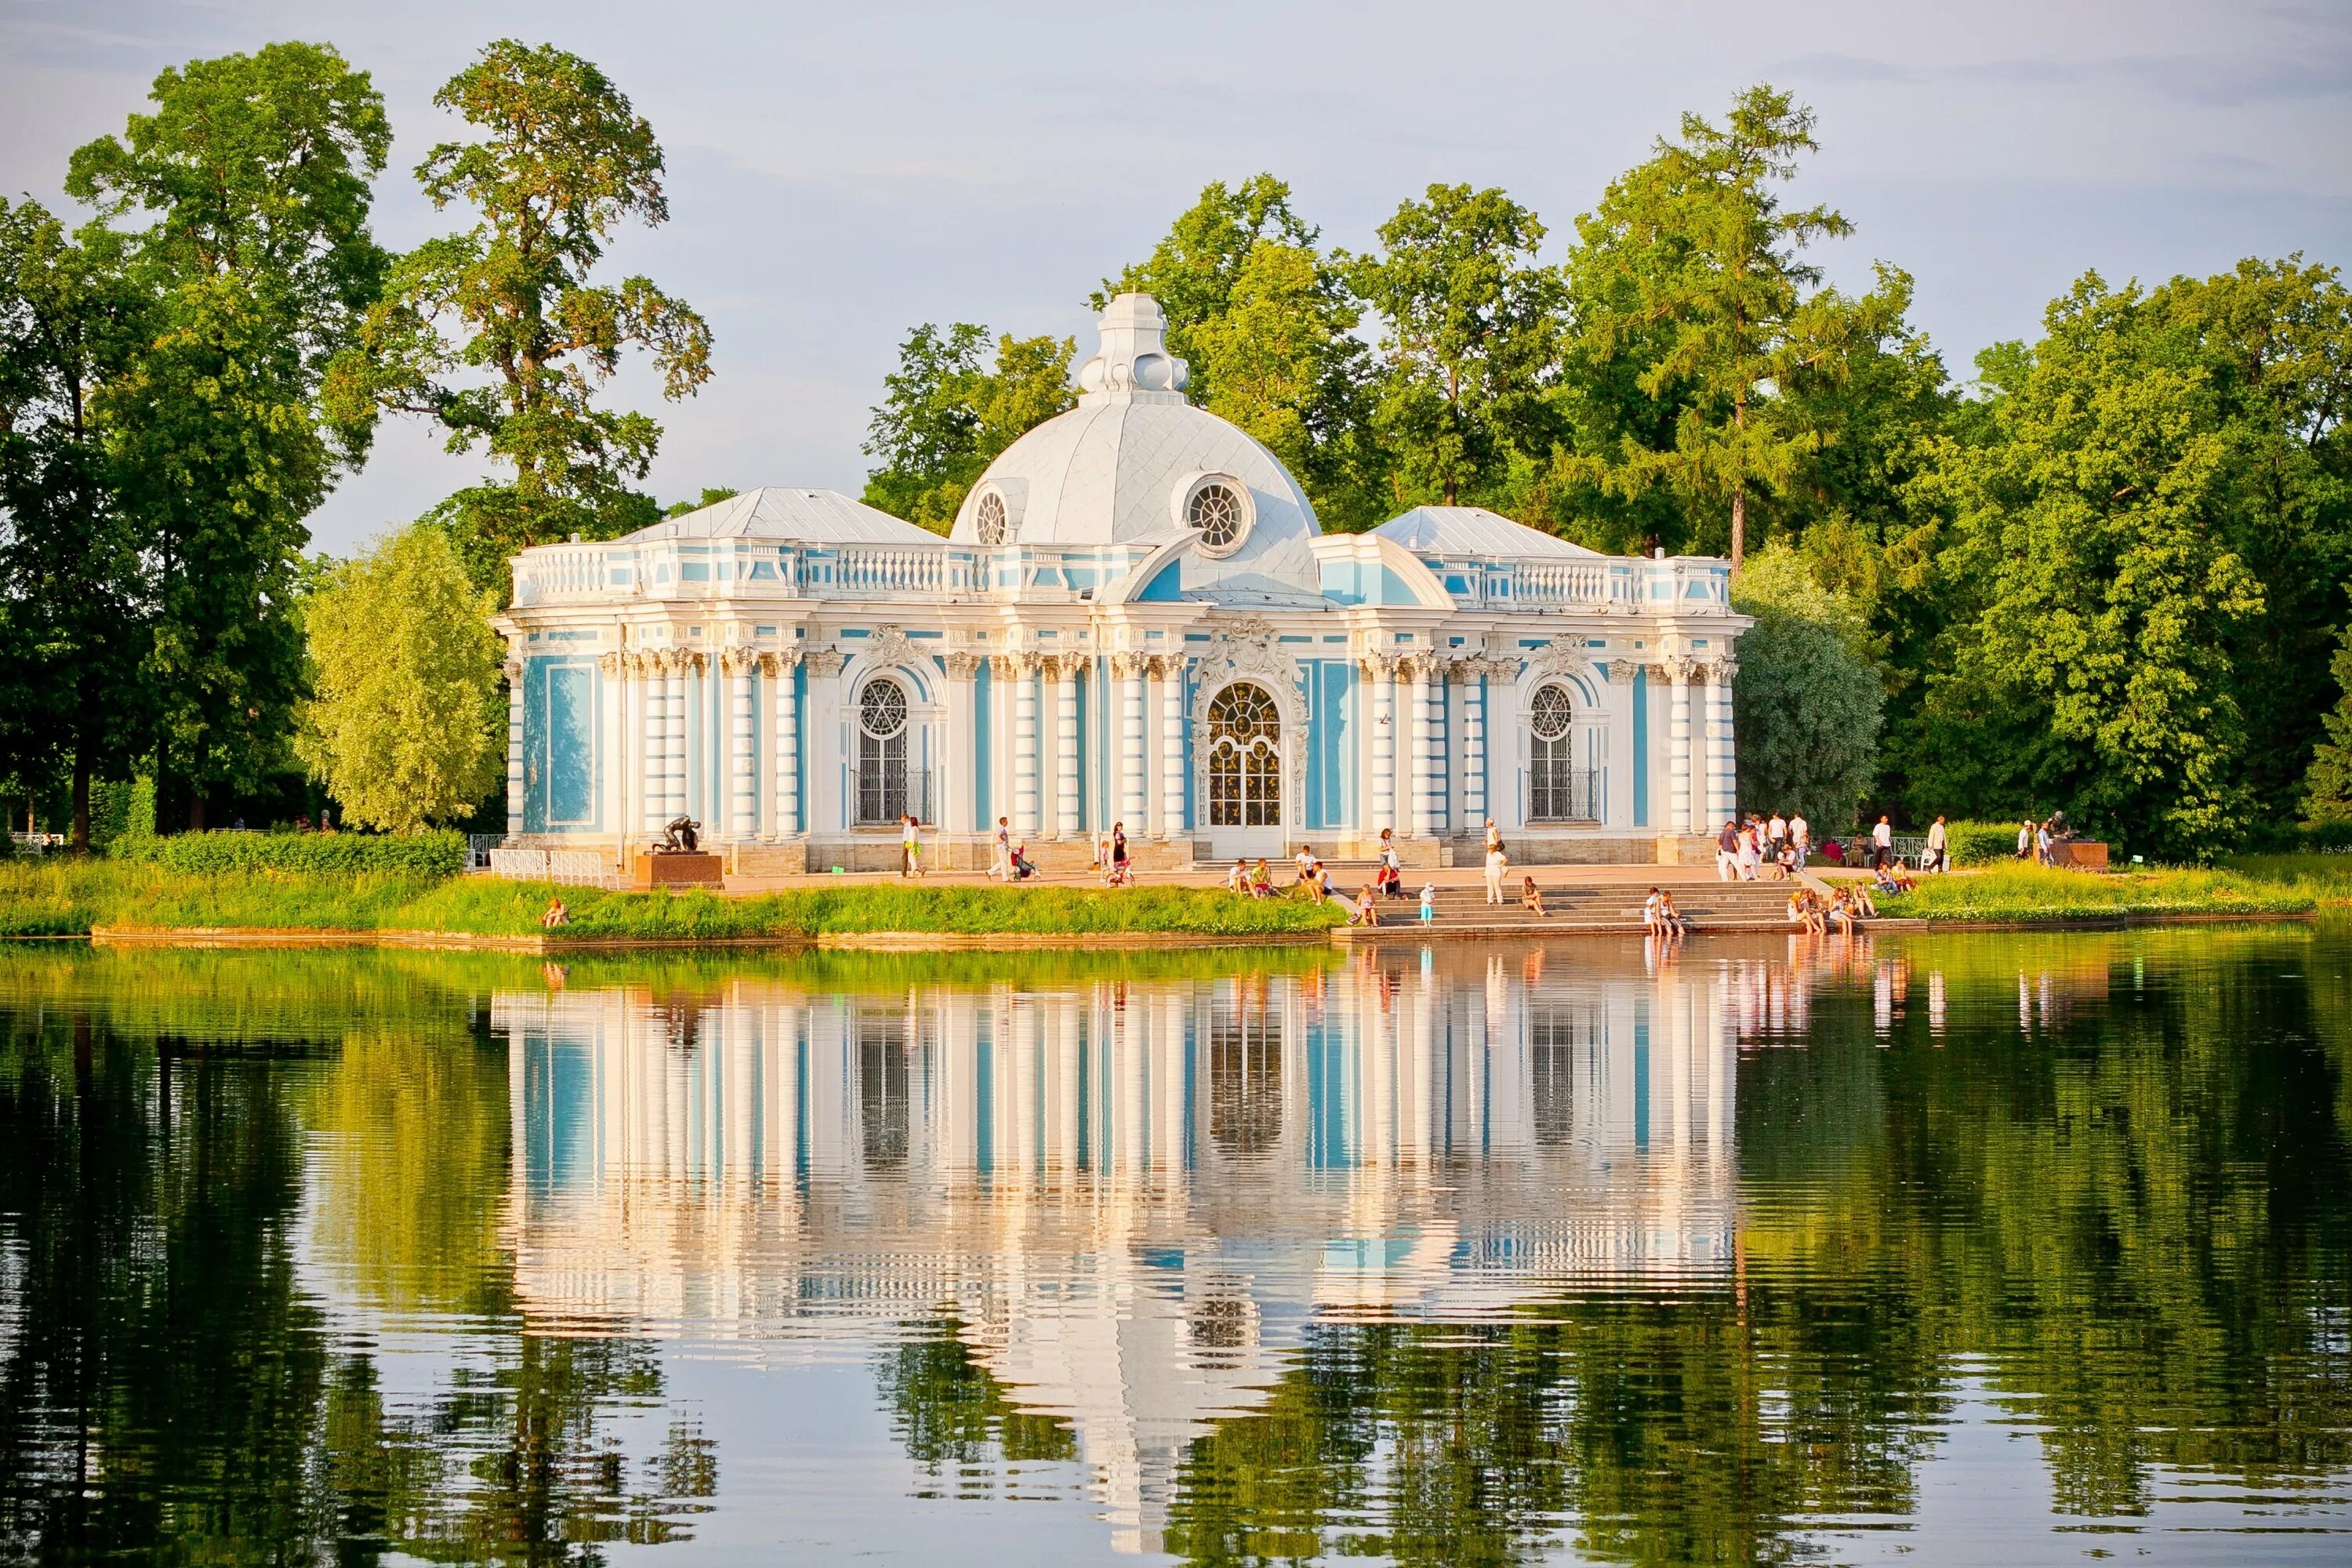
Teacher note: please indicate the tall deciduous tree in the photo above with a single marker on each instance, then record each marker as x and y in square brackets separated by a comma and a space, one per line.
[497, 334]
[73, 591]
[2327, 787]
[946, 413]
[406, 728]
[1468, 338]
[1690, 276]
[1807, 701]
[252, 174]
[2088, 666]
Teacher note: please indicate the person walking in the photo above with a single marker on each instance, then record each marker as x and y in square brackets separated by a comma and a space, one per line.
[1120, 874]
[1000, 864]
[911, 846]
[1776, 833]
[1726, 853]
[1750, 854]
[2025, 839]
[1881, 843]
[1428, 901]
[1939, 855]
[1496, 864]
[2042, 841]
[1800, 836]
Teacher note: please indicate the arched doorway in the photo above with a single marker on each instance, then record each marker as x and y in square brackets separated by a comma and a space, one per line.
[1243, 808]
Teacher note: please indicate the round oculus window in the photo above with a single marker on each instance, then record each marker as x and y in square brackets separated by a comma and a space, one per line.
[882, 709]
[1550, 715]
[1219, 513]
[988, 519]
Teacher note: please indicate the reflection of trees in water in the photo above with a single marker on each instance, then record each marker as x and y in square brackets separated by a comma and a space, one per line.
[167, 1386]
[950, 1414]
[2129, 1222]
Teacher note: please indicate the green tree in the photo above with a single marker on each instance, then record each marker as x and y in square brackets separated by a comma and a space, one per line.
[2327, 788]
[1267, 326]
[2099, 592]
[945, 415]
[74, 597]
[562, 160]
[1691, 292]
[406, 729]
[1468, 335]
[1808, 700]
[253, 175]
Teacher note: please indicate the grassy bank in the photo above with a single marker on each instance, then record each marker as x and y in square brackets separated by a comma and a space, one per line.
[2034, 893]
[67, 899]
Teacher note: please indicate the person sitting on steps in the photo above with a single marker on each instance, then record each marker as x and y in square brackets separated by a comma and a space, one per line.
[1366, 911]
[1531, 896]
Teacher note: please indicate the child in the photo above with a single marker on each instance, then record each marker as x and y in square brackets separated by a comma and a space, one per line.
[1654, 917]
[1238, 879]
[1531, 896]
[1366, 911]
[1428, 902]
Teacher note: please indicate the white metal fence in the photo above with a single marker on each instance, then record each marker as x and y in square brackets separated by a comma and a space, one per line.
[571, 868]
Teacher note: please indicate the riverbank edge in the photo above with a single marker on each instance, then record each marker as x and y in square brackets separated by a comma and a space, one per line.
[947, 941]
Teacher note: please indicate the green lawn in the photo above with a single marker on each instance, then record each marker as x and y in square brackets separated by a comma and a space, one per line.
[2039, 893]
[70, 897]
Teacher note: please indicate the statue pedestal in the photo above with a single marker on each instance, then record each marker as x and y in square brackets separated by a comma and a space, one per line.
[696, 871]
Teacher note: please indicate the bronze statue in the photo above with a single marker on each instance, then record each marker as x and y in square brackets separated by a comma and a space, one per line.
[680, 836]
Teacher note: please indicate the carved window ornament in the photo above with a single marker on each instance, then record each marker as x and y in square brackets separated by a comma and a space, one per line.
[988, 519]
[1218, 508]
[1551, 712]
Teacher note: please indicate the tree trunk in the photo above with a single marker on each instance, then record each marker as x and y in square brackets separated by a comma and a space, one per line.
[81, 802]
[1738, 526]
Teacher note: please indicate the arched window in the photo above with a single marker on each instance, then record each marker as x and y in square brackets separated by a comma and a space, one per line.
[1244, 758]
[1556, 791]
[988, 519]
[884, 781]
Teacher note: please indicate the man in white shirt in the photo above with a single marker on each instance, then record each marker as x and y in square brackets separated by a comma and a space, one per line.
[1777, 830]
[1800, 834]
[1881, 843]
[1938, 856]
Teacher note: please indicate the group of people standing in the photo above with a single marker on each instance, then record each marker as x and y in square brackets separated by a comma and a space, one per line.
[1770, 848]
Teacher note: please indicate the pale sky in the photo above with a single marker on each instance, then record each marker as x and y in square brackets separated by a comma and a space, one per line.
[838, 172]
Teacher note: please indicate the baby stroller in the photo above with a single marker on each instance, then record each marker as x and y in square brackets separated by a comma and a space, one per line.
[1022, 867]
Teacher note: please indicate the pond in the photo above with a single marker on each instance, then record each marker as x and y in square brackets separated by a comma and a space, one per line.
[1963, 1249]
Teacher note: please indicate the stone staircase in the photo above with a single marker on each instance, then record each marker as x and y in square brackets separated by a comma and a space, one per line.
[1582, 909]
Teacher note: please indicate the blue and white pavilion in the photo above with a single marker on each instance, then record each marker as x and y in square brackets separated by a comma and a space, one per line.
[1135, 619]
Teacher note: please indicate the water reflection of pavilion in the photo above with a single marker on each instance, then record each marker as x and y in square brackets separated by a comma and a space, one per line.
[1131, 1198]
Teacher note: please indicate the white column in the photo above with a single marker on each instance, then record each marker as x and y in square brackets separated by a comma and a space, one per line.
[514, 747]
[674, 742]
[957, 801]
[783, 670]
[613, 753]
[1473, 746]
[1506, 795]
[823, 807]
[1000, 742]
[1722, 768]
[1129, 668]
[1417, 696]
[1380, 670]
[653, 763]
[743, 816]
[1066, 746]
[1027, 819]
[1685, 806]
[1171, 746]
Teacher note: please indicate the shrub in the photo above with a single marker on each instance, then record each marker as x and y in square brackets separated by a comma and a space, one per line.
[1980, 843]
[440, 854]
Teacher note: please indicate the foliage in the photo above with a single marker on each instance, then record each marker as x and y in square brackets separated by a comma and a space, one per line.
[562, 160]
[2094, 541]
[2327, 787]
[74, 605]
[1980, 843]
[406, 727]
[350, 881]
[1806, 704]
[1469, 326]
[255, 260]
[416, 855]
[944, 416]
[1690, 273]
[1267, 326]
[2029, 892]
